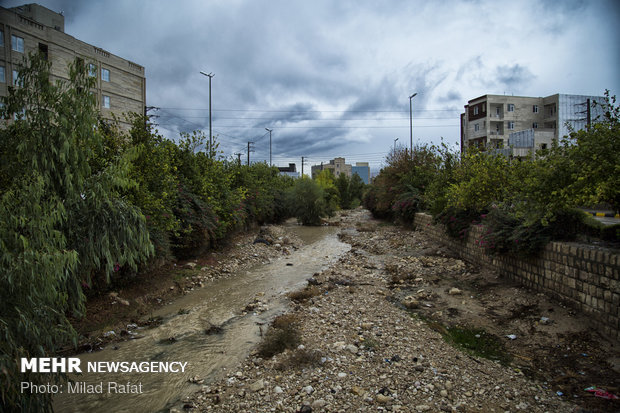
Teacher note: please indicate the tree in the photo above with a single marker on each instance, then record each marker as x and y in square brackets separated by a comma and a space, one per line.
[62, 218]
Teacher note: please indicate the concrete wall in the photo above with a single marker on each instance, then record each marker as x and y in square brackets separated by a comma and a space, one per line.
[588, 279]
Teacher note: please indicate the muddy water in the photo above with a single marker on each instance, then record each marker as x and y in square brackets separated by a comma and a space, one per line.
[208, 356]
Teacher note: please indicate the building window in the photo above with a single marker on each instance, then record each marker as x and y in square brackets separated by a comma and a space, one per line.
[511, 125]
[484, 108]
[535, 108]
[497, 110]
[476, 127]
[92, 70]
[475, 110]
[17, 43]
[16, 79]
[105, 75]
[535, 125]
[106, 102]
[43, 50]
[2, 75]
[1, 38]
[511, 107]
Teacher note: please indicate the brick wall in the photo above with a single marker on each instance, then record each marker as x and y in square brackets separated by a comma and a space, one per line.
[586, 278]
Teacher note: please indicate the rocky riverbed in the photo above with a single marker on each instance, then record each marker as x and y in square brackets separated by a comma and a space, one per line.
[400, 324]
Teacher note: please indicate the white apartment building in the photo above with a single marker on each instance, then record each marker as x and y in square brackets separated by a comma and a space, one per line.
[490, 121]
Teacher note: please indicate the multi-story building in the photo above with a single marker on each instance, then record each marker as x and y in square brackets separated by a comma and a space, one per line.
[121, 84]
[491, 120]
[363, 170]
[290, 170]
[336, 165]
[339, 166]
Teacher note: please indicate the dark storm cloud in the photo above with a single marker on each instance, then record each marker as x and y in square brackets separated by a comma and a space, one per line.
[323, 74]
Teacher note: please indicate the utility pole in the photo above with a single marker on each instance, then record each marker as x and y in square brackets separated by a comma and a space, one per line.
[249, 150]
[302, 166]
[210, 76]
[269, 130]
[238, 158]
[411, 124]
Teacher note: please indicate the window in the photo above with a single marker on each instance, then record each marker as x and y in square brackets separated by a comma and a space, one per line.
[105, 75]
[15, 78]
[476, 127]
[106, 102]
[535, 125]
[17, 43]
[484, 108]
[92, 70]
[511, 125]
[1, 38]
[2, 75]
[43, 50]
[497, 110]
[475, 110]
[535, 108]
[511, 107]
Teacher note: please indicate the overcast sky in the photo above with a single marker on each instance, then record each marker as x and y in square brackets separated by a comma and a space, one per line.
[333, 78]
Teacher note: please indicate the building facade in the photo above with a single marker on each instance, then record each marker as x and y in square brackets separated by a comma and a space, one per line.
[490, 121]
[121, 84]
[336, 165]
[290, 170]
[339, 166]
[363, 170]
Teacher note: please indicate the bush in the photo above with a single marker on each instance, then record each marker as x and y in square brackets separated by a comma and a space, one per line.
[283, 334]
[306, 202]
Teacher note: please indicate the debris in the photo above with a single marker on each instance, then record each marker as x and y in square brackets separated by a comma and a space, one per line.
[512, 336]
[602, 393]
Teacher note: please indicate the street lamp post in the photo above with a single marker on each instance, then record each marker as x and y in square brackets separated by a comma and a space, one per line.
[210, 76]
[395, 145]
[411, 124]
[269, 130]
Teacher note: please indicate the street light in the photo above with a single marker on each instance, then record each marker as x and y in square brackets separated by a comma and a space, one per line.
[269, 130]
[210, 76]
[411, 124]
[395, 145]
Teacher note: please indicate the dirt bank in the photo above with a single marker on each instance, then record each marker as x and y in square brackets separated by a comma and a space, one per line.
[400, 324]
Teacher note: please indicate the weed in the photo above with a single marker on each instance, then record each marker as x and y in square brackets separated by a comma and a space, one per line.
[283, 334]
[300, 357]
[303, 295]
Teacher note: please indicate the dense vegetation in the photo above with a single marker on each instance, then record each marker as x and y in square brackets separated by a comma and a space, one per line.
[84, 204]
[523, 203]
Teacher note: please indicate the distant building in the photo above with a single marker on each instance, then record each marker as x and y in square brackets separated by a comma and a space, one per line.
[336, 165]
[363, 170]
[339, 166]
[290, 170]
[491, 121]
[121, 84]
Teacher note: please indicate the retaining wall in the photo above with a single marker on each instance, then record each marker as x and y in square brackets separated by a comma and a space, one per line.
[586, 278]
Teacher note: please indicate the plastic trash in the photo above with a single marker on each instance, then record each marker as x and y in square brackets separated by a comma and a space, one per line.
[512, 336]
[601, 393]
[559, 393]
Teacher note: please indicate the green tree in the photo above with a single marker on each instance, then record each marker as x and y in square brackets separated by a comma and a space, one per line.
[62, 217]
[306, 201]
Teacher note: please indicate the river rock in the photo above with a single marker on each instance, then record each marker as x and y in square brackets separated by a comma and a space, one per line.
[257, 385]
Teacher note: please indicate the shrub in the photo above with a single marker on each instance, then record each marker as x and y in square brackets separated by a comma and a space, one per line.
[283, 334]
[306, 202]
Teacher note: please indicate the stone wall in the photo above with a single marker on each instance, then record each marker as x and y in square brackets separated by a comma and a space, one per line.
[586, 278]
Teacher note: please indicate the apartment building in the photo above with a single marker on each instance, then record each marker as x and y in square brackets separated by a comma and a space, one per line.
[121, 84]
[339, 166]
[494, 121]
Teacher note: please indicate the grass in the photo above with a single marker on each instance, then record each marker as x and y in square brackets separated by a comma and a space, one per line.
[300, 357]
[473, 341]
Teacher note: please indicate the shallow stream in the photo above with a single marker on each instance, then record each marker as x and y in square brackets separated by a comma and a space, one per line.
[182, 337]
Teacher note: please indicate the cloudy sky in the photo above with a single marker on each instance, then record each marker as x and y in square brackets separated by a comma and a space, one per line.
[333, 78]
